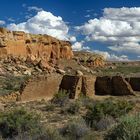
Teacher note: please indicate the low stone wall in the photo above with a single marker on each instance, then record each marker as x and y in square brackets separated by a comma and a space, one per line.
[40, 88]
[13, 97]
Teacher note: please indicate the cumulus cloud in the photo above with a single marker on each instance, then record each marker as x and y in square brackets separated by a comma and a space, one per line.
[34, 8]
[72, 38]
[44, 23]
[2, 22]
[118, 28]
[77, 46]
[112, 57]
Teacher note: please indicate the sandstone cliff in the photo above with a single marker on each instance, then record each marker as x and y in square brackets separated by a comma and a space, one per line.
[42, 48]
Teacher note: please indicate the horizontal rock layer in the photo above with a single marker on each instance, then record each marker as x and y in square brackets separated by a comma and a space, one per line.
[41, 47]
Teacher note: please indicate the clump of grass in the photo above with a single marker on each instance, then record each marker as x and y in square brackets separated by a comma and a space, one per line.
[127, 129]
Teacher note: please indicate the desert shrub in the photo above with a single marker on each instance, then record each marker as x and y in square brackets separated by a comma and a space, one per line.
[49, 107]
[127, 129]
[50, 134]
[75, 129]
[104, 123]
[90, 136]
[86, 101]
[19, 121]
[71, 108]
[61, 98]
[11, 84]
[106, 108]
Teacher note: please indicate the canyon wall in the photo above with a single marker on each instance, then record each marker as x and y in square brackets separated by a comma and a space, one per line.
[36, 47]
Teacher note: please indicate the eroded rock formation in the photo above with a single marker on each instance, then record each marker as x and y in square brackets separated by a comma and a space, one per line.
[38, 48]
[90, 59]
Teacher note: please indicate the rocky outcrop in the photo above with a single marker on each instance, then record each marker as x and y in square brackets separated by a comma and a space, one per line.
[90, 59]
[116, 85]
[37, 48]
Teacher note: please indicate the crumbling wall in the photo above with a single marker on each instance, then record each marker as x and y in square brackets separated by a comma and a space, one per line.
[42, 87]
[121, 86]
[103, 85]
[71, 84]
[134, 82]
[88, 85]
[115, 85]
[77, 85]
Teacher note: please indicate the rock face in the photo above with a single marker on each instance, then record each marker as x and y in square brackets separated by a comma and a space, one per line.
[116, 85]
[34, 47]
[89, 59]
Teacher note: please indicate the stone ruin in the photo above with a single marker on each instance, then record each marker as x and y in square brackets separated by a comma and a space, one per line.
[47, 87]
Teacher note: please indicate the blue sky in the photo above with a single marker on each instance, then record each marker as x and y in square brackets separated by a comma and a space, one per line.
[103, 26]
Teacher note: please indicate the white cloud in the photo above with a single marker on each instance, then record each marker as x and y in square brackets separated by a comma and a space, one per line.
[72, 38]
[34, 8]
[2, 22]
[112, 57]
[44, 23]
[77, 46]
[118, 28]
[11, 19]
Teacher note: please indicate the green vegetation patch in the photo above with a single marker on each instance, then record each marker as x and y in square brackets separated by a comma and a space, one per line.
[9, 84]
[127, 129]
[111, 108]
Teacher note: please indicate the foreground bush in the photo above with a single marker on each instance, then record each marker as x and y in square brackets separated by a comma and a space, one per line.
[61, 98]
[72, 108]
[127, 129]
[105, 108]
[18, 122]
[75, 129]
